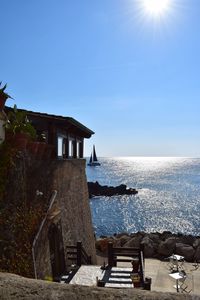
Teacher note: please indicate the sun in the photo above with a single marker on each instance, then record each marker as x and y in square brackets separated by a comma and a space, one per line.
[156, 8]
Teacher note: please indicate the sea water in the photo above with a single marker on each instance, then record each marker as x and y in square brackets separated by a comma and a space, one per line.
[168, 195]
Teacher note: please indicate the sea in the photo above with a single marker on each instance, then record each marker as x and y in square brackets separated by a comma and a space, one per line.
[168, 196]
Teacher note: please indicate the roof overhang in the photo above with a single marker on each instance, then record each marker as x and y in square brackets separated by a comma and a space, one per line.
[67, 122]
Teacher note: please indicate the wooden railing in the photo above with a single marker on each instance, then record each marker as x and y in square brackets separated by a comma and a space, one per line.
[77, 255]
[121, 254]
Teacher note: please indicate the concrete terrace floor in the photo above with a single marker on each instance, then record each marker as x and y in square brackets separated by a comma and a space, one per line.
[161, 281]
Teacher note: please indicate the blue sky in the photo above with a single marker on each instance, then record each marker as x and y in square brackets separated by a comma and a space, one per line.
[130, 77]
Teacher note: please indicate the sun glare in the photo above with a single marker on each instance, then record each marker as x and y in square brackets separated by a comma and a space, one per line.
[156, 8]
[157, 17]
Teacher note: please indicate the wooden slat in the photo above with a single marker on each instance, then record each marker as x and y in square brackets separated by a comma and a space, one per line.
[122, 260]
[119, 281]
[133, 254]
[127, 248]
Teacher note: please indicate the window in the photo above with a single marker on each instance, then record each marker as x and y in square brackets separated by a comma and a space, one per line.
[71, 148]
[60, 146]
[78, 149]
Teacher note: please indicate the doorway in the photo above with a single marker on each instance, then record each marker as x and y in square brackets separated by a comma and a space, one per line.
[57, 255]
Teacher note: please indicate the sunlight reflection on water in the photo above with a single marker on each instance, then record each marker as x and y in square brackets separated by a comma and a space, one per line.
[168, 197]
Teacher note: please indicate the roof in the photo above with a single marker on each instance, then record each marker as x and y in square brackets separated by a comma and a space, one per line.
[60, 119]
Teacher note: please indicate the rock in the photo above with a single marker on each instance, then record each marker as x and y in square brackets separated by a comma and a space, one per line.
[197, 254]
[102, 244]
[139, 233]
[156, 246]
[196, 243]
[123, 240]
[155, 237]
[167, 247]
[187, 239]
[95, 189]
[134, 242]
[148, 247]
[119, 235]
[185, 250]
[118, 243]
[165, 235]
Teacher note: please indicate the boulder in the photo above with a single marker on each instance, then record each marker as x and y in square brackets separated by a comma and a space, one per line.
[167, 247]
[141, 234]
[196, 243]
[134, 242]
[102, 244]
[155, 237]
[119, 235]
[187, 239]
[185, 250]
[123, 240]
[148, 247]
[165, 235]
[197, 254]
[118, 243]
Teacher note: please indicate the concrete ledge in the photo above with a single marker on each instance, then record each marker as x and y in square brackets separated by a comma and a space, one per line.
[17, 287]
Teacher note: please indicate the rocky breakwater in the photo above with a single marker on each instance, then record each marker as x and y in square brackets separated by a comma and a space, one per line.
[95, 189]
[156, 245]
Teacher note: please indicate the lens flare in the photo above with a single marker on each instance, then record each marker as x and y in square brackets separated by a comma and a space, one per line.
[156, 7]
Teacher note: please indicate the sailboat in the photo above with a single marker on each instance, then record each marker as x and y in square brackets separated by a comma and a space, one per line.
[93, 159]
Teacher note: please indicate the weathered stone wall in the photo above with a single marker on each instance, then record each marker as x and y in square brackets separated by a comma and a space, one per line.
[15, 287]
[71, 206]
[71, 184]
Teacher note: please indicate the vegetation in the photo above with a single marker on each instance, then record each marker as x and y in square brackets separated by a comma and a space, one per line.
[4, 96]
[17, 122]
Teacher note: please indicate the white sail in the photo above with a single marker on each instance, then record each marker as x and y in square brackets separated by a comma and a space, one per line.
[93, 159]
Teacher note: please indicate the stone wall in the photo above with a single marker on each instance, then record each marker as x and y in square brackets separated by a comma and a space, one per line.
[34, 182]
[15, 287]
[71, 210]
[71, 184]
